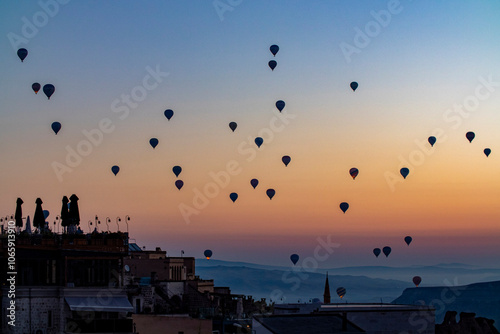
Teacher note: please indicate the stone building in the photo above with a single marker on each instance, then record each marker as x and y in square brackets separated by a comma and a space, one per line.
[67, 283]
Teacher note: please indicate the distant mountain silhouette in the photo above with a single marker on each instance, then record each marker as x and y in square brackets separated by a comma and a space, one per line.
[261, 283]
[483, 299]
[440, 274]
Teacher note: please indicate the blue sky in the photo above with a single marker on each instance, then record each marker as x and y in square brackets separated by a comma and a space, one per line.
[415, 64]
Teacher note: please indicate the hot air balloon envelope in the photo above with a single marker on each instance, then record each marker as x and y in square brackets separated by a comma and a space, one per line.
[274, 49]
[376, 251]
[36, 87]
[431, 140]
[233, 126]
[272, 64]
[286, 160]
[179, 184]
[354, 86]
[49, 89]
[115, 169]
[270, 193]
[487, 152]
[208, 254]
[56, 126]
[344, 206]
[259, 141]
[46, 213]
[341, 292]
[354, 172]
[153, 142]
[294, 258]
[470, 136]
[404, 172]
[386, 250]
[177, 170]
[417, 280]
[408, 240]
[233, 196]
[280, 104]
[22, 53]
[169, 113]
[254, 182]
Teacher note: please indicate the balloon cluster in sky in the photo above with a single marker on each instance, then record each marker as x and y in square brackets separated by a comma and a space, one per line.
[49, 89]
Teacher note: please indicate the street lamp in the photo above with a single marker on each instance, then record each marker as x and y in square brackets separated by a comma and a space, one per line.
[118, 219]
[90, 224]
[55, 223]
[127, 219]
[107, 222]
[97, 222]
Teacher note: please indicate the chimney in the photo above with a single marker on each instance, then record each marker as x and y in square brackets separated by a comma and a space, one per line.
[344, 322]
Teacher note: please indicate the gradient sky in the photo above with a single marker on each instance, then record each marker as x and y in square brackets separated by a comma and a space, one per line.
[416, 67]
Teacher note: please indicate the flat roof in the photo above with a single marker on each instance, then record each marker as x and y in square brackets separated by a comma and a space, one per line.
[307, 323]
[372, 307]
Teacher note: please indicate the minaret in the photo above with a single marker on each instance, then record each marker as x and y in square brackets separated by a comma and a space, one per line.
[326, 294]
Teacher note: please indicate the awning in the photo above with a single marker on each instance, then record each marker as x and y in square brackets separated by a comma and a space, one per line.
[100, 304]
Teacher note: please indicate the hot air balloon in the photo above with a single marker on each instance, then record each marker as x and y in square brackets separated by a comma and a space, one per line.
[280, 104]
[294, 258]
[208, 254]
[354, 172]
[233, 126]
[179, 184]
[169, 113]
[286, 160]
[272, 64]
[487, 152]
[404, 172]
[49, 89]
[36, 87]
[408, 240]
[431, 140]
[376, 251]
[344, 206]
[233, 196]
[153, 142]
[470, 136]
[274, 49]
[115, 169]
[417, 280]
[177, 170]
[259, 141]
[386, 250]
[56, 126]
[22, 53]
[341, 292]
[354, 86]
[254, 183]
[270, 193]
